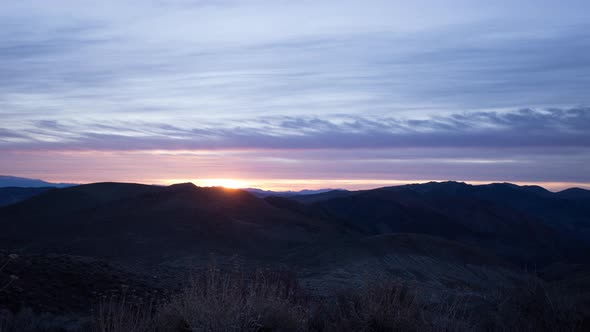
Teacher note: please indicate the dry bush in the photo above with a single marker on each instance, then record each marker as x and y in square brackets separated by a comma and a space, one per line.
[232, 300]
[452, 313]
[123, 313]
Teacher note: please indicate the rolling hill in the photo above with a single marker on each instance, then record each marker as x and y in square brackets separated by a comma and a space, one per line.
[526, 225]
[149, 221]
[444, 237]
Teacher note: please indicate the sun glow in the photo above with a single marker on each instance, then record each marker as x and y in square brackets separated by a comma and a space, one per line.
[226, 183]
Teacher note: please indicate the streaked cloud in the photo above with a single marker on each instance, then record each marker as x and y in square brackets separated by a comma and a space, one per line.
[525, 128]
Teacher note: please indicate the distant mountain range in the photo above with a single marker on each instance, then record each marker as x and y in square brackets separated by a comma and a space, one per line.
[15, 189]
[518, 223]
[13, 181]
[265, 193]
[523, 224]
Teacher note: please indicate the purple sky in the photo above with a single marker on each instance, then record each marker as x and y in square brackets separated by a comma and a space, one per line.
[296, 94]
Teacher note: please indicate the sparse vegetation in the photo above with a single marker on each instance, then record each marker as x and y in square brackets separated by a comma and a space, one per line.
[123, 313]
[234, 300]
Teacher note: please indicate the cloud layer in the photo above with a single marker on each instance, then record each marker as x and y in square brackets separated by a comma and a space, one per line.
[526, 128]
[461, 84]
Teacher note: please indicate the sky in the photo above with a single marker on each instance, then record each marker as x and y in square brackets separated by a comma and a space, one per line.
[296, 94]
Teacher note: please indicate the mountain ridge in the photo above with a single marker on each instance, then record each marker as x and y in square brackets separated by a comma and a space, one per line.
[15, 181]
[525, 228]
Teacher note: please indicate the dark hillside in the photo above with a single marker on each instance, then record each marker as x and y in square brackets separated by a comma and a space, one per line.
[124, 220]
[524, 224]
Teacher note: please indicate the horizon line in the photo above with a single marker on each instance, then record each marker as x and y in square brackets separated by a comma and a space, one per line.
[297, 185]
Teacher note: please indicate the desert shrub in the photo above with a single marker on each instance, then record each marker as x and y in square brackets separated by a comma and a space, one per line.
[451, 313]
[215, 300]
[232, 300]
[123, 312]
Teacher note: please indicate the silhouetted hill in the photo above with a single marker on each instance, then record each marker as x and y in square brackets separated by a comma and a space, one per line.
[266, 193]
[554, 209]
[322, 196]
[117, 219]
[575, 193]
[526, 224]
[523, 224]
[430, 260]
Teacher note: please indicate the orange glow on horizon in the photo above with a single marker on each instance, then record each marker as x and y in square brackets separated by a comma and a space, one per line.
[223, 182]
[281, 171]
[352, 184]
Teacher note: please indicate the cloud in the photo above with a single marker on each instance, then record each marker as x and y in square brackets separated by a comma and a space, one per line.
[7, 134]
[525, 128]
[393, 83]
[253, 58]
